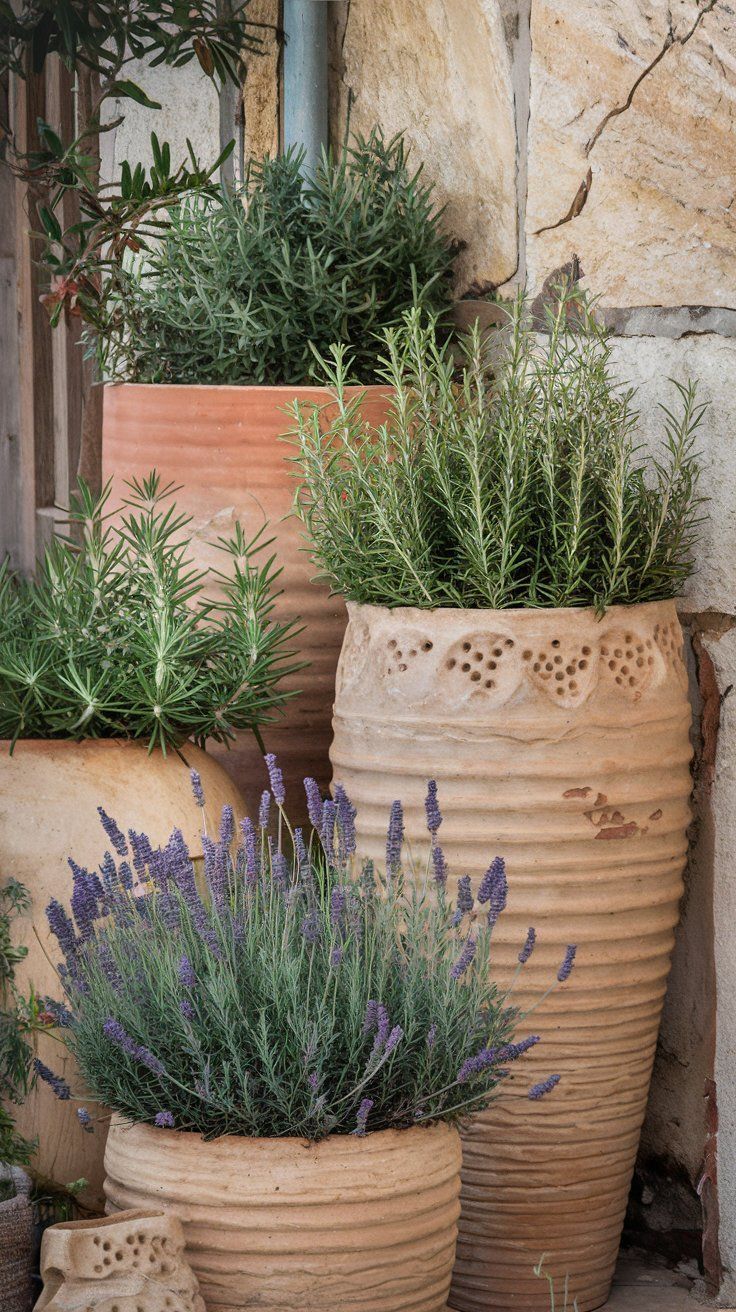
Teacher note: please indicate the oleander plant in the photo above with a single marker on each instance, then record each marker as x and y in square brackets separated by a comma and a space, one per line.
[249, 287]
[294, 990]
[18, 1020]
[116, 637]
[510, 483]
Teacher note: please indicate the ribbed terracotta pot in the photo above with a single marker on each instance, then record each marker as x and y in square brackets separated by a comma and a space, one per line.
[49, 794]
[222, 446]
[16, 1243]
[346, 1225]
[561, 742]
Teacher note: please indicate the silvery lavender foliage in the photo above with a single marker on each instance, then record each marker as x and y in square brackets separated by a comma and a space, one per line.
[295, 990]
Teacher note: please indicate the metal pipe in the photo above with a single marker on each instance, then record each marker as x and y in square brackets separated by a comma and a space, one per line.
[305, 78]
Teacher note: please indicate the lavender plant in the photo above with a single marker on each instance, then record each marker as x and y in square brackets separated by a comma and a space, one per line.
[520, 485]
[292, 990]
[116, 638]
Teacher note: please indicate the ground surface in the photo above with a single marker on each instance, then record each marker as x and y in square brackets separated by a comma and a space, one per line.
[640, 1286]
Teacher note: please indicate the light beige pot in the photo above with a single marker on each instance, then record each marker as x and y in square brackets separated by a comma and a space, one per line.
[133, 1262]
[49, 794]
[561, 742]
[346, 1225]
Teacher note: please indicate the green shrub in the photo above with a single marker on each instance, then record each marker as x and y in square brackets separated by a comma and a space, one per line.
[291, 991]
[115, 638]
[16, 1025]
[239, 292]
[521, 487]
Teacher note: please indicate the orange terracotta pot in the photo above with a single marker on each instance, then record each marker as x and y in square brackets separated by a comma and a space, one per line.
[561, 742]
[49, 794]
[221, 444]
[283, 1225]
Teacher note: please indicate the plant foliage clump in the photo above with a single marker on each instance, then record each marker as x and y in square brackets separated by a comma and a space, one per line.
[115, 637]
[517, 486]
[17, 1018]
[242, 288]
[291, 990]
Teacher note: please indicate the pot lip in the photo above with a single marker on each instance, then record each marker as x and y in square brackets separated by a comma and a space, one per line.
[512, 614]
[116, 1218]
[268, 389]
[99, 744]
[333, 1143]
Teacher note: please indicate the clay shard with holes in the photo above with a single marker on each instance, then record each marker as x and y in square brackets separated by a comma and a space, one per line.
[131, 1262]
[628, 660]
[565, 671]
[480, 665]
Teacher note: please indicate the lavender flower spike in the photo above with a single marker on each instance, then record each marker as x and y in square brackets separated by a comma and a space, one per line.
[336, 956]
[465, 958]
[566, 968]
[197, 788]
[431, 1036]
[55, 1082]
[494, 889]
[327, 829]
[314, 803]
[117, 838]
[264, 809]
[346, 814]
[62, 929]
[538, 1091]
[439, 865]
[85, 1120]
[464, 901]
[117, 1034]
[276, 777]
[164, 1120]
[394, 838]
[393, 1040]
[361, 1119]
[371, 1017]
[431, 807]
[528, 947]
[186, 973]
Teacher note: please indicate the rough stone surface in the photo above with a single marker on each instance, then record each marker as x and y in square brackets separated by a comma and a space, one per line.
[643, 194]
[189, 108]
[261, 100]
[443, 74]
[650, 362]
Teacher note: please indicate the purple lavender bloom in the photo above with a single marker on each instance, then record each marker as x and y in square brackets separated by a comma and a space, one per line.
[394, 839]
[336, 956]
[538, 1091]
[310, 927]
[186, 1009]
[279, 866]
[264, 810]
[84, 899]
[465, 958]
[494, 889]
[371, 1017]
[115, 835]
[439, 865]
[276, 778]
[313, 1081]
[314, 803]
[565, 970]
[164, 1120]
[510, 1051]
[108, 966]
[197, 789]
[61, 1014]
[327, 829]
[142, 852]
[186, 974]
[251, 850]
[528, 947]
[85, 1120]
[432, 1035]
[300, 851]
[125, 874]
[62, 929]
[432, 809]
[180, 871]
[227, 825]
[361, 1119]
[337, 905]
[368, 879]
[56, 1083]
[346, 814]
[477, 1063]
[117, 1034]
[393, 1040]
[464, 901]
[383, 1028]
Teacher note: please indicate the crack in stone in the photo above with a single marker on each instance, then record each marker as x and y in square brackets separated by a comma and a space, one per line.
[578, 204]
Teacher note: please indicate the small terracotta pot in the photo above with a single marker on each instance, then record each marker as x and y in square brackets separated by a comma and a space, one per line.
[16, 1244]
[349, 1224]
[559, 741]
[222, 447]
[49, 794]
[132, 1260]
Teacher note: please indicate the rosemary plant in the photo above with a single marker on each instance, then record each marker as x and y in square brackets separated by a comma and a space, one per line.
[115, 637]
[292, 991]
[521, 487]
[241, 288]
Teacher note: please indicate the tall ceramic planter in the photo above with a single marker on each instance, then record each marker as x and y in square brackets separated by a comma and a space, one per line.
[349, 1224]
[49, 794]
[560, 741]
[16, 1244]
[222, 446]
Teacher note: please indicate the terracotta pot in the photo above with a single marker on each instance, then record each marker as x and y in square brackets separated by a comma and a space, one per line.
[16, 1244]
[132, 1260]
[49, 794]
[221, 444]
[560, 742]
[348, 1224]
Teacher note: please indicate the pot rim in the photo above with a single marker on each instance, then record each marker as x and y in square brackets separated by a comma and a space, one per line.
[285, 1143]
[120, 741]
[512, 613]
[270, 389]
[115, 1218]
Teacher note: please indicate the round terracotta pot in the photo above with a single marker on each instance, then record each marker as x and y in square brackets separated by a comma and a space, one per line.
[49, 794]
[559, 741]
[349, 1224]
[222, 447]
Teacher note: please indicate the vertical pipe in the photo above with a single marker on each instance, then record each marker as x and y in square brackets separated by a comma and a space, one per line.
[305, 78]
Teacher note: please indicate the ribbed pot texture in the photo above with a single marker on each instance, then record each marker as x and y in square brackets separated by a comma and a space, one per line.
[560, 741]
[16, 1244]
[223, 448]
[49, 794]
[345, 1225]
